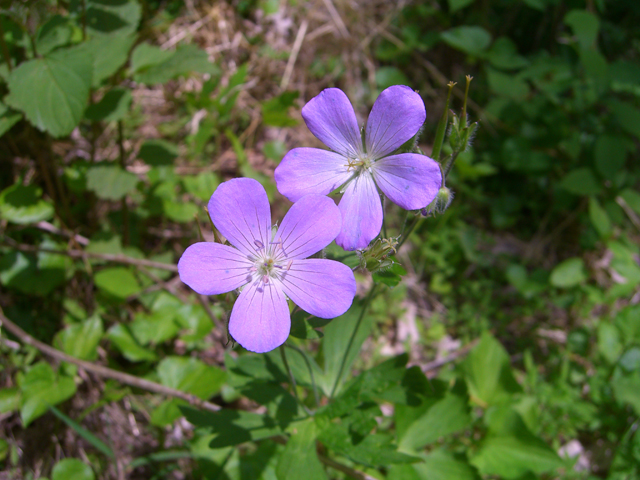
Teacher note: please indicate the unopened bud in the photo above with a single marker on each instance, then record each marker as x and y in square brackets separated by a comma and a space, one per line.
[377, 257]
[440, 203]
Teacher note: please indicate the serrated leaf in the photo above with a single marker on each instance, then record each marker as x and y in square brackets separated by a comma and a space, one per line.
[442, 465]
[113, 106]
[202, 185]
[191, 375]
[159, 152]
[72, 469]
[275, 111]
[52, 91]
[568, 273]
[110, 182]
[24, 204]
[391, 276]
[472, 40]
[146, 55]
[108, 53]
[156, 327]
[55, 32]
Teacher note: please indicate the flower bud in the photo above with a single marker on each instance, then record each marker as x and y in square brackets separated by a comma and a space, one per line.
[376, 257]
[440, 203]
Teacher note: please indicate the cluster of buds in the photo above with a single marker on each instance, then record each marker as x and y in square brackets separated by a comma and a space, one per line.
[376, 258]
[440, 203]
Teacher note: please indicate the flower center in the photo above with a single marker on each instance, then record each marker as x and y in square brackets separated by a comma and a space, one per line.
[359, 165]
[270, 262]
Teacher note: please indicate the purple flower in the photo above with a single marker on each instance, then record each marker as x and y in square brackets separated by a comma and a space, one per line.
[271, 264]
[407, 179]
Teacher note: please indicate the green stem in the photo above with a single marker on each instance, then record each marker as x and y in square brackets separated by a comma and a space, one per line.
[407, 232]
[442, 127]
[449, 164]
[123, 202]
[313, 380]
[353, 337]
[283, 354]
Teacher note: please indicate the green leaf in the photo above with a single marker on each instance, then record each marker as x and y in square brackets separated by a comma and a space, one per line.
[166, 413]
[128, 346]
[110, 182]
[83, 432]
[510, 450]
[626, 388]
[52, 91]
[159, 152]
[202, 185]
[299, 458]
[581, 181]
[113, 106]
[585, 26]
[108, 54]
[9, 399]
[569, 273]
[72, 469]
[275, 111]
[387, 76]
[599, 218]
[631, 198]
[444, 417]
[442, 465]
[472, 40]
[40, 388]
[145, 56]
[233, 427]
[487, 371]
[503, 54]
[106, 17]
[274, 150]
[391, 277]
[186, 59]
[374, 450]
[8, 118]
[118, 282]
[157, 327]
[191, 375]
[301, 328]
[24, 204]
[55, 32]
[507, 85]
[609, 342]
[610, 154]
[455, 5]
[81, 340]
[337, 336]
[627, 116]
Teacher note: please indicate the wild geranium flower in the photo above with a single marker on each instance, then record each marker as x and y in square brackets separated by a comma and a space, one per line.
[362, 166]
[271, 264]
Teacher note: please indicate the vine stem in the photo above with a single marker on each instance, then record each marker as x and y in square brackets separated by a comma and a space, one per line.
[283, 354]
[102, 371]
[367, 301]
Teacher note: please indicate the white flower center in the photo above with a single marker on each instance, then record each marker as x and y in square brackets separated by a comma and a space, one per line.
[270, 262]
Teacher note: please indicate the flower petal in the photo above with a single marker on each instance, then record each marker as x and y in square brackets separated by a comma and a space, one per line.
[331, 118]
[260, 319]
[409, 180]
[396, 116]
[210, 268]
[361, 211]
[240, 209]
[305, 171]
[324, 288]
[311, 224]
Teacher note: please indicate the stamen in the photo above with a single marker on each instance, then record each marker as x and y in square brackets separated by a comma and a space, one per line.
[253, 269]
[265, 279]
[259, 244]
[278, 266]
[289, 265]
